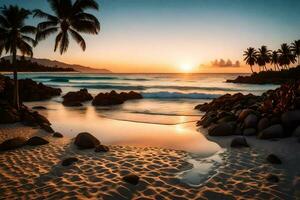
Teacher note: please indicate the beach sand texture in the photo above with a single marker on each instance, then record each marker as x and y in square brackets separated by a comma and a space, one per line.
[37, 173]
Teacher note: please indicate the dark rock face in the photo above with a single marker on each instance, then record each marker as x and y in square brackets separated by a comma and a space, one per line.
[273, 159]
[249, 132]
[263, 124]
[57, 135]
[296, 132]
[39, 108]
[291, 119]
[13, 143]
[101, 148]
[223, 129]
[69, 161]
[239, 142]
[114, 98]
[47, 128]
[86, 141]
[8, 114]
[132, 179]
[76, 98]
[36, 141]
[274, 131]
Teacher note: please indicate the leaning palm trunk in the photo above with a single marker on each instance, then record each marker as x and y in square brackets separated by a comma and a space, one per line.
[16, 101]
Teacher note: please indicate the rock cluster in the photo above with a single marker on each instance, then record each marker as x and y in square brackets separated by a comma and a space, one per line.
[114, 98]
[274, 114]
[29, 90]
[18, 142]
[76, 98]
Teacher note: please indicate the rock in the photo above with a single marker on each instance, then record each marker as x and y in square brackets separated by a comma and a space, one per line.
[132, 179]
[113, 98]
[227, 119]
[250, 121]
[86, 141]
[273, 178]
[291, 119]
[273, 159]
[274, 131]
[76, 98]
[47, 128]
[13, 143]
[40, 119]
[249, 132]
[296, 132]
[8, 115]
[244, 113]
[239, 142]
[223, 129]
[58, 135]
[101, 148]
[28, 119]
[36, 141]
[39, 108]
[263, 124]
[69, 161]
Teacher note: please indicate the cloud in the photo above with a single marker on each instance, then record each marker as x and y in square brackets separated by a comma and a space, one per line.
[223, 63]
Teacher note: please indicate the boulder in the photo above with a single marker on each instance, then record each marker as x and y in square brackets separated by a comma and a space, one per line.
[58, 135]
[101, 148]
[244, 113]
[86, 141]
[223, 129]
[250, 121]
[239, 142]
[13, 143]
[114, 98]
[69, 161]
[249, 132]
[36, 141]
[132, 179]
[274, 131]
[291, 119]
[76, 98]
[263, 124]
[227, 119]
[273, 159]
[47, 128]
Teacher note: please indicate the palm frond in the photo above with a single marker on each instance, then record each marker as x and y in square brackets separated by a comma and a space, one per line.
[57, 40]
[85, 26]
[64, 42]
[47, 24]
[41, 35]
[81, 5]
[77, 37]
[28, 29]
[39, 13]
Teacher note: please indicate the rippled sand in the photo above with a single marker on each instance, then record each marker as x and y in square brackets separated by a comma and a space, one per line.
[36, 173]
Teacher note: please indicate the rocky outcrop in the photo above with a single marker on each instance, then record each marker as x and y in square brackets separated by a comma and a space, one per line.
[29, 90]
[76, 98]
[114, 98]
[69, 161]
[101, 148]
[274, 114]
[13, 143]
[132, 179]
[239, 142]
[86, 141]
[36, 141]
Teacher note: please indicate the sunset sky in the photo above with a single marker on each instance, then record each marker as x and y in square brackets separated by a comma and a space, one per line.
[176, 35]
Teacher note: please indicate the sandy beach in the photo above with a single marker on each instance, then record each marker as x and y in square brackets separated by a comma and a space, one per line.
[37, 173]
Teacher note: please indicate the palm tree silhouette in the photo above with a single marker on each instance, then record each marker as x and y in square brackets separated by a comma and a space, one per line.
[14, 37]
[250, 57]
[275, 60]
[286, 56]
[69, 19]
[263, 57]
[295, 47]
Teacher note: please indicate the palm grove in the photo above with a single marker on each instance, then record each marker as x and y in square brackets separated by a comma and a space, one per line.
[69, 18]
[280, 59]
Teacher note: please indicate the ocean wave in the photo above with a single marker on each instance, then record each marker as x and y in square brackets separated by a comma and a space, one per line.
[87, 78]
[178, 95]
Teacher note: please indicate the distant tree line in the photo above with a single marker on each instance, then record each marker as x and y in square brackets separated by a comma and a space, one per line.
[280, 59]
[24, 65]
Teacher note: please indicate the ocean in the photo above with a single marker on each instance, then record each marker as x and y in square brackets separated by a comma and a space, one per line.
[164, 118]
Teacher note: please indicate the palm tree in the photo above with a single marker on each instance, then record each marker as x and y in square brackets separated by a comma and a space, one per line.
[295, 47]
[14, 37]
[263, 57]
[286, 56]
[69, 19]
[275, 60]
[250, 57]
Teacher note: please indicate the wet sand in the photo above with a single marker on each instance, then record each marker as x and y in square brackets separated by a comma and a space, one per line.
[36, 172]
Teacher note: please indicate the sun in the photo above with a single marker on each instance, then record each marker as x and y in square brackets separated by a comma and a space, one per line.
[186, 68]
